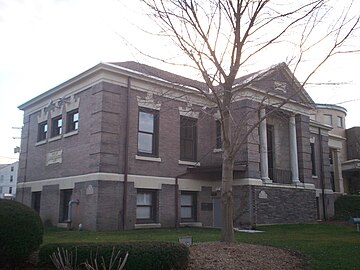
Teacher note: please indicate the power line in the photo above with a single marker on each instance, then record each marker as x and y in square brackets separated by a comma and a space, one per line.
[8, 157]
[347, 101]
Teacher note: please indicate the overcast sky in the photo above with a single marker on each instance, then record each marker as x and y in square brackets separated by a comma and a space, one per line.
[45, 42]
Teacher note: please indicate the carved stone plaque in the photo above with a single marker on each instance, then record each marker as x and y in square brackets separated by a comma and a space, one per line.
[54, 157]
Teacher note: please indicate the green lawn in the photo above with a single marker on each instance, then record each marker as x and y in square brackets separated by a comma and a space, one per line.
[327, 246]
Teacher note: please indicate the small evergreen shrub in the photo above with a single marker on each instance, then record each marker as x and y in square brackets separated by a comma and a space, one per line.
[347, 206]
[21, 232]
[142, 254]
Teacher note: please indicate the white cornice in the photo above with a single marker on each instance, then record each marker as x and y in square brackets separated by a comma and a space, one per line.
[261, 96]
[104, 72]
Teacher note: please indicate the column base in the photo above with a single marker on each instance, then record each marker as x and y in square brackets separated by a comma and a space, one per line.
[297, 183]
[266, 180]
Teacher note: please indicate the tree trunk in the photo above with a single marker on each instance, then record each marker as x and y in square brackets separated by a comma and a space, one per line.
[227, 202]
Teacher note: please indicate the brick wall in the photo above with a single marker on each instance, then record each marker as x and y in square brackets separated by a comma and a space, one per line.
[50, 204]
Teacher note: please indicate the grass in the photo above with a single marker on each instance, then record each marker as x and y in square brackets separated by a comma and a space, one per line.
[326, 246]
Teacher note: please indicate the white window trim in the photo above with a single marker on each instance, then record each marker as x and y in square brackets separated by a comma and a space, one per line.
[189, 163]
[41, 142]
[58, 137]
[147, 225]
[71, 133]
[145, 158]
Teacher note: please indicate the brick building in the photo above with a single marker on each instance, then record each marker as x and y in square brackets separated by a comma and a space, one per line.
[125, 145]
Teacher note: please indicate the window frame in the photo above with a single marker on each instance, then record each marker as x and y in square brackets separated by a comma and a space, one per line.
[42, 131]
[313, 159]
[330, 118]
[72, 125]
[193, 206]
[65, 198]
[218, 138]
[154, 133]
[152, 206]
[186, 122]
[36, 201]
[341, 123]
[56, 130]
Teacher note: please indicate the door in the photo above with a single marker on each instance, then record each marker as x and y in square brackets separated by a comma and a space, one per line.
[217, 212]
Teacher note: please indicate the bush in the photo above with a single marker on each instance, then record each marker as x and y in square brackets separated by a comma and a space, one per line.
[346, 207]
[21, 232]
[142, 254]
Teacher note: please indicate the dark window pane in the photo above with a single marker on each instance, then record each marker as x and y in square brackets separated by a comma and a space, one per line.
[56, 126]
[188, 138]
[148, 132]
[72, 121]
[42, 131]
[218, 135]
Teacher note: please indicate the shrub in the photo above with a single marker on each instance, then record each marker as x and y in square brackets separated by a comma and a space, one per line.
[346, 207]
[21, 232]
[142, 254]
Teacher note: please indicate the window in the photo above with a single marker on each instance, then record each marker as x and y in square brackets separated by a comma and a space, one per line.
[72, 121]
[12, 168]
[56, 126]
[313, 160]
[188, 206]
[148, 132]
[271, 151]
[145, 206]
[218, 135]
[35, 201]
[188, 138]
[1, 178]
[328, 119]
[42, 131]
[331, 158]
[340, 122]
[11, 178]
[65, 197]
[10, 190]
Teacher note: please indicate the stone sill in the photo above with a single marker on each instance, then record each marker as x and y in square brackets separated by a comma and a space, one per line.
[55, 138]
[191, 224]
[189, 163]
[41, 142]
[71, 133]
[147, 225]
[62, 225]
[145, 158]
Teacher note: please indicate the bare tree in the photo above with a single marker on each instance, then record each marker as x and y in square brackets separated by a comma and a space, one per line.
[223, 37]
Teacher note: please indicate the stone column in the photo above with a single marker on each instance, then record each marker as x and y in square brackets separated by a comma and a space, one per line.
[264, 170]
[339, 182]
[293, 151]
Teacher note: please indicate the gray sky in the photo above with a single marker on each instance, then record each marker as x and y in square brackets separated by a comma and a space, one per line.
[44, 43]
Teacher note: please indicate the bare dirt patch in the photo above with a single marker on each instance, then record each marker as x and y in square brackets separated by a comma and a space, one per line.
[217, 255]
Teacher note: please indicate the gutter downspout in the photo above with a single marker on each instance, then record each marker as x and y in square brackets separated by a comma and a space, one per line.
[126, 154]
[26, 157]
[322, 175]
[71, 202]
